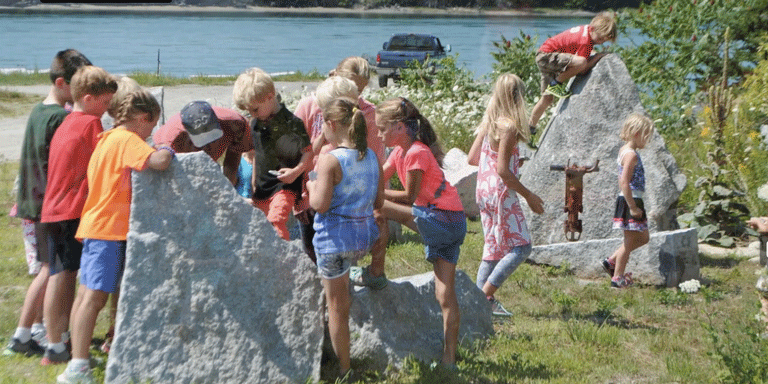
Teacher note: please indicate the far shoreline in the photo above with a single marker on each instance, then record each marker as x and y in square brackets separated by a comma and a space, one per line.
[249, 11]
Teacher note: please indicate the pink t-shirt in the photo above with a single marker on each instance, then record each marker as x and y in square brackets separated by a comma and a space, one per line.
[71, 149]
[575, 41]
[374, 141]
[435, 189]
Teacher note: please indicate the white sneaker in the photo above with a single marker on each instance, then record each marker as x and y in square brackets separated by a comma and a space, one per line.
[498, 310]
[83, 376]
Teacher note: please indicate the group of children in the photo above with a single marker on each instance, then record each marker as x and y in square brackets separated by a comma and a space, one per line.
[327, 164]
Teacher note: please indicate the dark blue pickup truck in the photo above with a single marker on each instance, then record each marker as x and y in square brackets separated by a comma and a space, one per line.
[404, 47]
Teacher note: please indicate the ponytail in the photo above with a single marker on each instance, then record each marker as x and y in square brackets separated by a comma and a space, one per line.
[344, 111]
[134, 104]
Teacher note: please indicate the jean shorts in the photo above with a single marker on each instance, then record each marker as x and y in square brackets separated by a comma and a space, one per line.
[442, 231]
[333, 265]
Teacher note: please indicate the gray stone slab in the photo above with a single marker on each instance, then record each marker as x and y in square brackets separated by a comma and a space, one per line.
[405, 319]
[464, 177]
[669, 258]
[210, 293]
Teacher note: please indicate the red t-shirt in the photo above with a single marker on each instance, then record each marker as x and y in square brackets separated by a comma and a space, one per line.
[237, 135]
[420, 157]
[71, 149]
[575, 41]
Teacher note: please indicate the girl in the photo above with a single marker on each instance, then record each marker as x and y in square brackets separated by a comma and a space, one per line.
[629, 214]
[347, 189]
[429, 204]
[507, 241]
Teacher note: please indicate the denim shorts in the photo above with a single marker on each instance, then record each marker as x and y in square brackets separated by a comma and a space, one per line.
[101, 267]
[333, 265]
[442, 231]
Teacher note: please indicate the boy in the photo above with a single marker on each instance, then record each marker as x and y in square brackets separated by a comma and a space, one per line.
[215, 130]
[71, 147]
[566, 55]
[33, 174]
[104, 225]
[283, 150]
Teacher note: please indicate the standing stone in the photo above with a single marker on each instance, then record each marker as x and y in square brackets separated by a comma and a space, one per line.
[585, 130]
[210, 293]
[405, 319]
[463, 176]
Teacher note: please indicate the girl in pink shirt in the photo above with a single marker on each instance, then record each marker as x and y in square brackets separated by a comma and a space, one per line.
[429, 204]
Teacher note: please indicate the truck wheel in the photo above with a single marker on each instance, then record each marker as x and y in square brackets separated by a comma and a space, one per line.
[383, 81]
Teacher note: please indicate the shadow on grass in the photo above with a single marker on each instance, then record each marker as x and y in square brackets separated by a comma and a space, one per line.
[724, 262]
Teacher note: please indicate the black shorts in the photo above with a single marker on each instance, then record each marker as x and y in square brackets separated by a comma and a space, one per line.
[622, 219]
[62, 250]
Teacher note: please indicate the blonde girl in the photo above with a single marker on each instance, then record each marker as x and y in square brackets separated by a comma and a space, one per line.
[629, 214]
[347, 189]
[429, 204]
[507, 240]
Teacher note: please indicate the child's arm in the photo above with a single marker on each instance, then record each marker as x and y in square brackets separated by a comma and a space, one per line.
[506, 147]
[379, 202]
[231, 164]
[321, 189]
[289, 175]
[592, 60]
[760, 224]
[161, 158]
[628, 162]
[473, 158]
[317, 144]
[412, 186]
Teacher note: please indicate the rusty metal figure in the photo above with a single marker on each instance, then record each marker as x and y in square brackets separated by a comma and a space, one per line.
[574, 187]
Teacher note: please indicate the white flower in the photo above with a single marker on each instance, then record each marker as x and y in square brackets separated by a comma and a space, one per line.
[690, 286]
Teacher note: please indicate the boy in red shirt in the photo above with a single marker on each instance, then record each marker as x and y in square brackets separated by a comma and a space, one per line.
[568, 54]
[71, 147]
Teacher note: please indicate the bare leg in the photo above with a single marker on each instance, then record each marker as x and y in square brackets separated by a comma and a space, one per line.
[85, 321]
[400, 213]
[379, 249]
[544, 102]
[33, 301]
[339, 301]
[58, 303]
[445, 292]
[577, 65]
[632, 241]
[489, 289]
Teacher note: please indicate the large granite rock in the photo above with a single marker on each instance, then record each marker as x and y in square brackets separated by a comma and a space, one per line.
[464, 177]
[405, 319]
[210, 293]
[669, 258]
[585, 130]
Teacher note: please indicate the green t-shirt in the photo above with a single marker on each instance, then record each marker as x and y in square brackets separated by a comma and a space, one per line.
[279, 143]
[33, 165]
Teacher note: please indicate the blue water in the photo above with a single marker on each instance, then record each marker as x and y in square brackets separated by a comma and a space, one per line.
[191, 45]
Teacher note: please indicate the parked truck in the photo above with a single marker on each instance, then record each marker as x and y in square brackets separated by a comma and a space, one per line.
[403, 48]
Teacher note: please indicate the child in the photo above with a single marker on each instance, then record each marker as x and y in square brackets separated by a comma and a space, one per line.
[71, 147]
[629, 215]
[44, 119]
[281, 144]
[310, 111]
[760, 224]
[568, 54]
[104, 224]
[347, 190]
[507, 241]
[429, 203]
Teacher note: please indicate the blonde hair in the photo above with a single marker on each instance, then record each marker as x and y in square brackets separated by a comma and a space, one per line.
[344, 112]
[636, 123]
[92, 80]
[125, 85]
[402, 110]
[354, 68]
[333, 88]
[604, 25]
[252, 85]
[506, 109]
[134, 103]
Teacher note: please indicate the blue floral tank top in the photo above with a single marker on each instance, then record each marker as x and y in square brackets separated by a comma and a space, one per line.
[638, 176]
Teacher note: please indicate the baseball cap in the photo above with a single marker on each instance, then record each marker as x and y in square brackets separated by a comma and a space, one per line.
[201, 123]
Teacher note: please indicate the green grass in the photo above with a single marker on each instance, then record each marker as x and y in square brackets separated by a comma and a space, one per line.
[564, 330]
[14, 104]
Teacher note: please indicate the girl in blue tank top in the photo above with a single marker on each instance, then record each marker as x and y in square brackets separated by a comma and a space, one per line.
[346, 190]
[629, 214]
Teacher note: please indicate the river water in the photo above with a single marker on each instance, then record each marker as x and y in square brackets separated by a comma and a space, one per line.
[206, 45]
